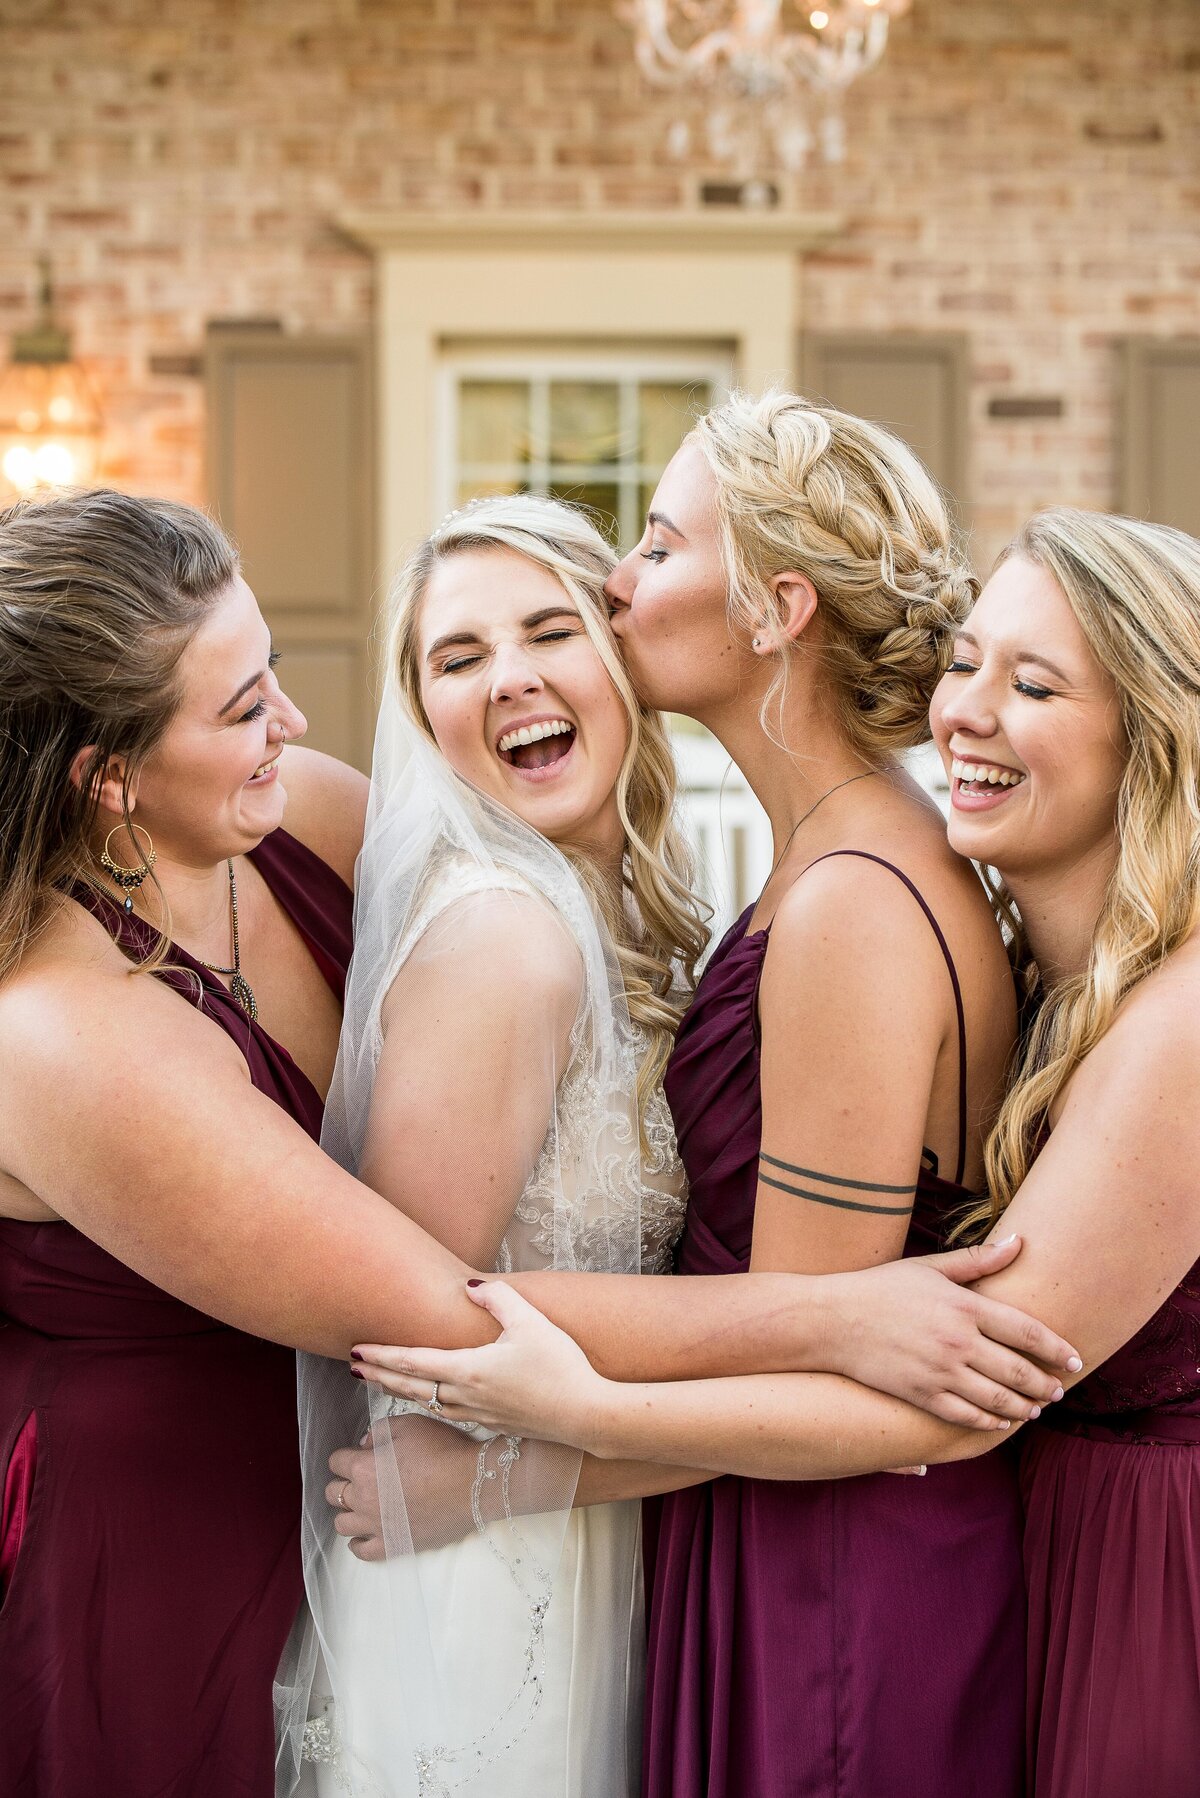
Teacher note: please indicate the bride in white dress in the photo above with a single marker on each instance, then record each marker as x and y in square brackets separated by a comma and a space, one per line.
[525, 940]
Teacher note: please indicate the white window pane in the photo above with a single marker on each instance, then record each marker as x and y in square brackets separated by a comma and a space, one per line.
[584, 421]
[493, 421]
[601, 499]
[668, 411]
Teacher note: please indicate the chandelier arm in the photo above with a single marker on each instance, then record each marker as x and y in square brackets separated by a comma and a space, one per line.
[661, 58]
[761, 67]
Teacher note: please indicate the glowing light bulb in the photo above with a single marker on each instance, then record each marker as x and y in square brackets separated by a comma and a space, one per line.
[55, 465]
[19, 469]
[29, 419]
[60, 409]
[818, 20]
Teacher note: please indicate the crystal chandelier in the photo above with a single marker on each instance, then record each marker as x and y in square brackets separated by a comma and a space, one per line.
[50, 424]
[772, 75]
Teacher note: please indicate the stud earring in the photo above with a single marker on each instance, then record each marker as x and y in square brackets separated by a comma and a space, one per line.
[128, 879]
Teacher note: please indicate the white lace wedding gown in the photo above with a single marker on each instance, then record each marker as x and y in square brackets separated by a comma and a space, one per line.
[575, 1695]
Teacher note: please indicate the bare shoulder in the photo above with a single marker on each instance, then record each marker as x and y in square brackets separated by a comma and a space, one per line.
[78, 1017]
[326, 806]
[1149, 1058]
[508, 947]
[849, 913]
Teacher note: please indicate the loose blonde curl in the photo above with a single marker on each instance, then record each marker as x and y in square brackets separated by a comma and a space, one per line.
[1135, 590]
[657, 924]
[839, 499]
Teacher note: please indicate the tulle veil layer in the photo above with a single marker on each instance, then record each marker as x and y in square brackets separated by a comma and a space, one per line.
[438, 1671]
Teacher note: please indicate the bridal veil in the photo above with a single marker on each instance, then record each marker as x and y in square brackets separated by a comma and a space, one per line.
[444, 1669]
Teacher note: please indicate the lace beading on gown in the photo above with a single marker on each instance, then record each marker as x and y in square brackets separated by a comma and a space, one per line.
[646, 1176]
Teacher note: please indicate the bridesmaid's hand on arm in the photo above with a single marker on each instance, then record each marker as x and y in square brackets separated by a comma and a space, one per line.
[905, 1323]
[1112, 1211]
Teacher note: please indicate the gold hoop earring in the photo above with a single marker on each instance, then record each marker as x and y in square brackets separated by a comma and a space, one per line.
[128, 879]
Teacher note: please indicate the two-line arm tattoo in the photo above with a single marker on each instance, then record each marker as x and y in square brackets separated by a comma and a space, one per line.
[771, 1168]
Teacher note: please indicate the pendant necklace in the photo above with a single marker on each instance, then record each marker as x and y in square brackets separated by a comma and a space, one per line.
[828, 794]
[239, 986]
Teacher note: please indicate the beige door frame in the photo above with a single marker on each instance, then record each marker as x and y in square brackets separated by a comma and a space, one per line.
[556, 279]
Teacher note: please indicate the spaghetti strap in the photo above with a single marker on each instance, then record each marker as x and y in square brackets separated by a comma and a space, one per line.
[943, 945]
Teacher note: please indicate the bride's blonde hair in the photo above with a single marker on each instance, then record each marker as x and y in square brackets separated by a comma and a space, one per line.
[1135, 590]
[657, 924]
[806, 487]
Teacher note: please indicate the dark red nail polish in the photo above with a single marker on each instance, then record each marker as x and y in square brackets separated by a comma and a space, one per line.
[354, 1373]
[354, 1355]
[474, 1282]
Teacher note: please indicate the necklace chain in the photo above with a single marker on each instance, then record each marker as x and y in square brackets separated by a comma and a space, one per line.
[828, 794]
[239, 986]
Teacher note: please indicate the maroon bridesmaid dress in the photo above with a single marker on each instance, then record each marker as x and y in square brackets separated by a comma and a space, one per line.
[149, 1538]
[858, 1638]
[1111, 1481]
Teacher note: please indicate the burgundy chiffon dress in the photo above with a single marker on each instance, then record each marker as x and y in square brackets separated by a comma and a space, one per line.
[149, 1536]
[859, 1638]
[1111, 1481]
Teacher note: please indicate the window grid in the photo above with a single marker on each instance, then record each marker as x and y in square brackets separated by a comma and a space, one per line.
[629, 475]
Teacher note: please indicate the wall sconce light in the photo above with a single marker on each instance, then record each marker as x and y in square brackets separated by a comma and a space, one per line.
[50, 421]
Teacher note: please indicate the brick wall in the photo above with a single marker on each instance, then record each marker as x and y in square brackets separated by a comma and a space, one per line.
[1026, 171]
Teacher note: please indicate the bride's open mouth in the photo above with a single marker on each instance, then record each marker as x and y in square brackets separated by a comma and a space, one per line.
[538, 750]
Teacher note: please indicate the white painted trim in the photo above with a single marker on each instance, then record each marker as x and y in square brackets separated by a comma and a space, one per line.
[633, 281]
[733, 230]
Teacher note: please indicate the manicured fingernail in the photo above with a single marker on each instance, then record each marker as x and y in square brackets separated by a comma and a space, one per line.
[354, 1355]
[354, 1374]
[1056, 1395]
[1003, 1424]
[474, 1282]
[1074, 1365]
[1035, 1411]
[920, 1472]
[1006, 1242]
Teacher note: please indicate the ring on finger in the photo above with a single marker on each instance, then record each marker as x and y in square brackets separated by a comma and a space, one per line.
[435, 1404]
[342, 1505]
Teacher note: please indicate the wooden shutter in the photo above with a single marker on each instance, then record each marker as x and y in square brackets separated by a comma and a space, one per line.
[916, 385]
[291, 477]
[1160, 438]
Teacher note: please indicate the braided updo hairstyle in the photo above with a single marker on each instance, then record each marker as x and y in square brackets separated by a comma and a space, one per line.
[802, 486]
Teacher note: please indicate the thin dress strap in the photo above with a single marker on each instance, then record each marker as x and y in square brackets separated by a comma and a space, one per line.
[944, 946]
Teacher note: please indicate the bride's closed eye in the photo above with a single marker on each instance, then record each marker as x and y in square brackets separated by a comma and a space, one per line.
[458, 663]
